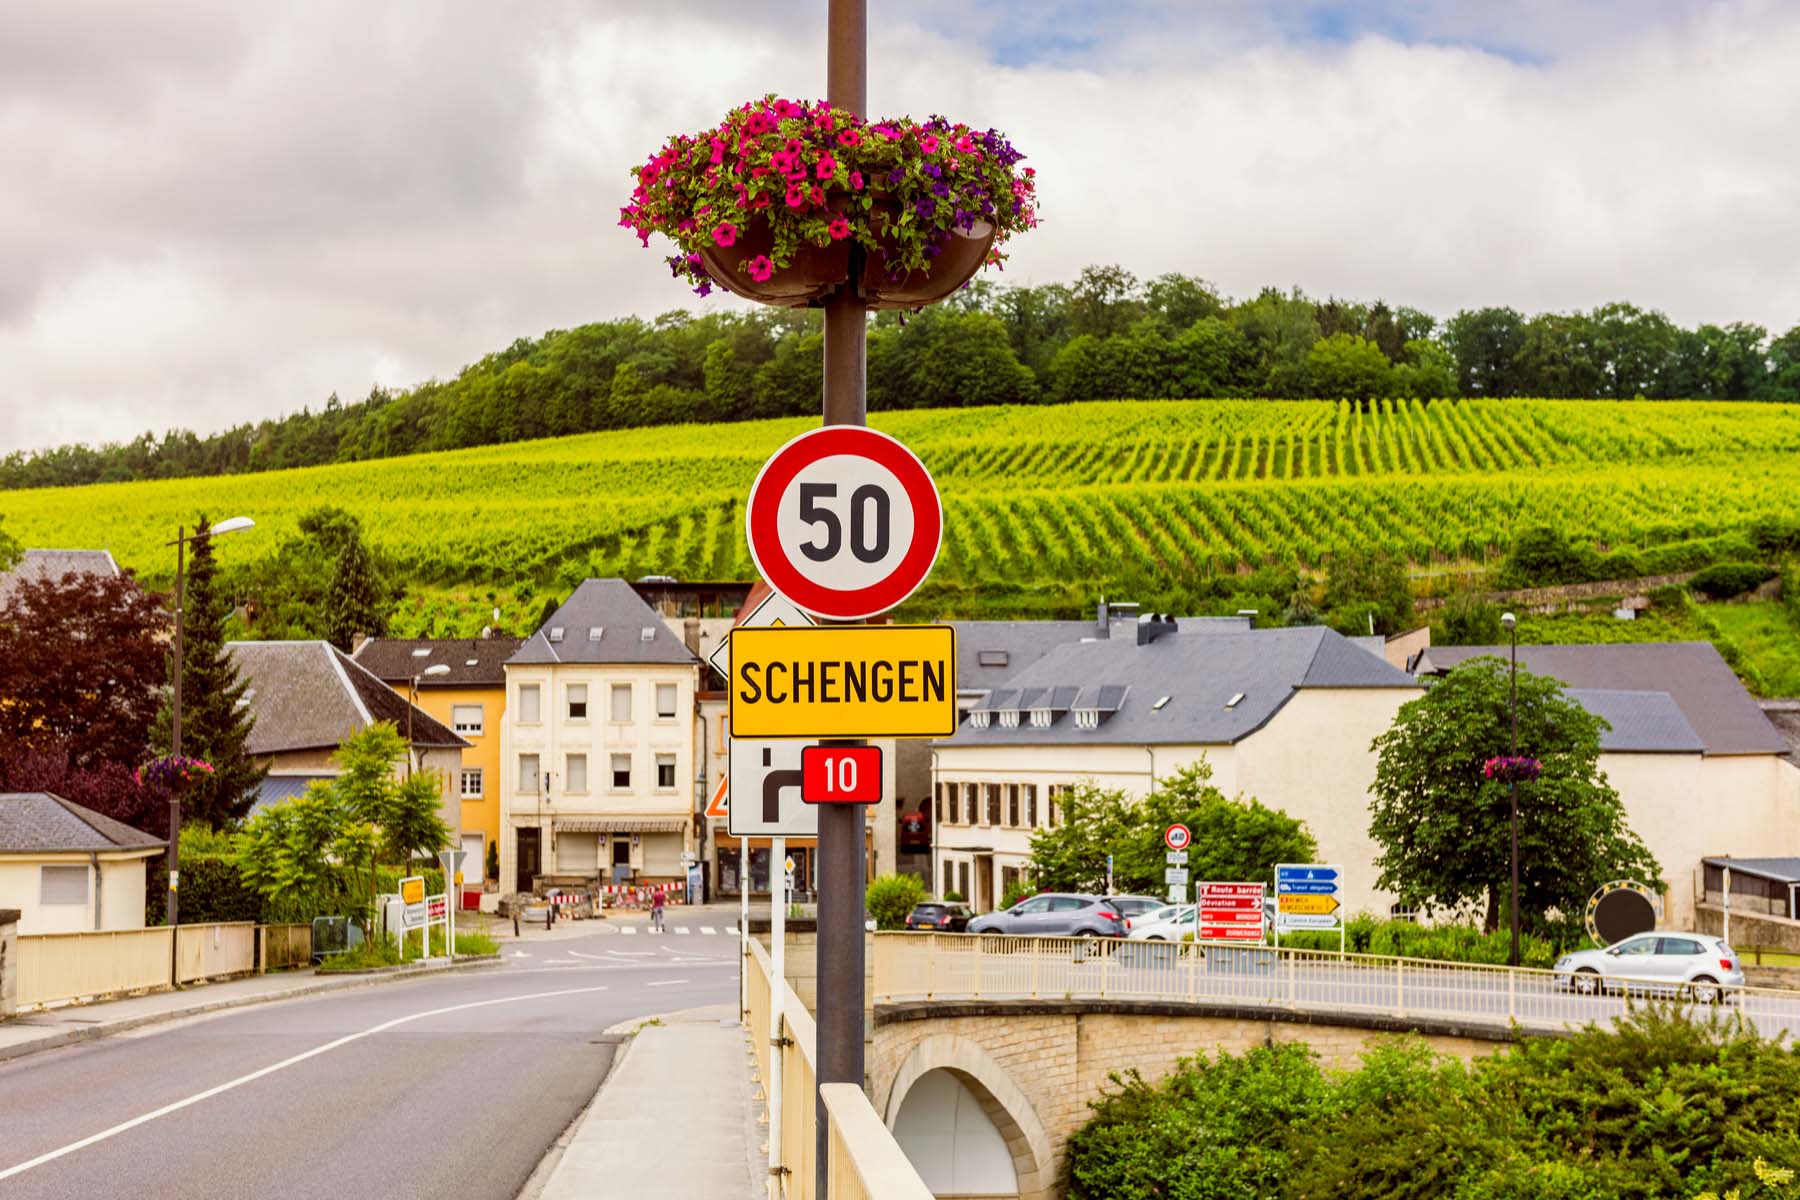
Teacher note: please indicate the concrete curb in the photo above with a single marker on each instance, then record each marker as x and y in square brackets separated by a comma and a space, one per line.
[342, 983]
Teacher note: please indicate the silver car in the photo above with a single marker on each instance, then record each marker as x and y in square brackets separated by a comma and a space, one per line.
[1694, 964]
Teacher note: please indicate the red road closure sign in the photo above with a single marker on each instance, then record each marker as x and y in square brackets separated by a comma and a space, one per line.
[844, 521]
[1177, 837]
[1230, 912]
[840, 774]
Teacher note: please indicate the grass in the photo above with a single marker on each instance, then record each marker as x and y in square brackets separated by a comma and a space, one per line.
[373, 955]
[1768, 638]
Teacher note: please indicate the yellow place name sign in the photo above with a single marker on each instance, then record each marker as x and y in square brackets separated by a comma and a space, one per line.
[843, 681]
[1312, 905]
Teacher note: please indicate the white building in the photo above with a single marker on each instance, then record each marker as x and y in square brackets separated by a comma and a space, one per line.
[597, 748]
[68, 869]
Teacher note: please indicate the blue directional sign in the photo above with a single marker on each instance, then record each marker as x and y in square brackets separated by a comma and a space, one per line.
[1306, 887]
[1284, 874]
[1306, 897]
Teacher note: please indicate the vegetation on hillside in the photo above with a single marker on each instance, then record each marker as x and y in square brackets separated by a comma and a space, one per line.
[1104, 336]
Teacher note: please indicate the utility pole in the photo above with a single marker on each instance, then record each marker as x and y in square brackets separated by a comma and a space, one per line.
[842, 827]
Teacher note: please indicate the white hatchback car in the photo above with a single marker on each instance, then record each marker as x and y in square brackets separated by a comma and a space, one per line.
[1166, 924]
[1694, 964]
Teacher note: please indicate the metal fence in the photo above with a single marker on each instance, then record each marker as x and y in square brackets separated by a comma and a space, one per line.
[944, 966]
[59, 968]
[866, 1163]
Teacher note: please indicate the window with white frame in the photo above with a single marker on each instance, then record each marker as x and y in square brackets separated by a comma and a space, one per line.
[575, 773]
[621, 702]
[470, 780]
[577, 694]
[665, 771]
[665, 700]
[466, 718]
[1009, 718]
[529, 713]
[63, 885]
[979, 718]
[621, 770]
[528, 773]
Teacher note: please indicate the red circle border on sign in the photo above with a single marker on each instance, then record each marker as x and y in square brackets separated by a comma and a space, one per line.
[765, 499]
[1187, 837]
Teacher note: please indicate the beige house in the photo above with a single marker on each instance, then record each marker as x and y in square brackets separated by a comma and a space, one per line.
[309, 696]
[1284, 715]
[67, 869]
[600, 782]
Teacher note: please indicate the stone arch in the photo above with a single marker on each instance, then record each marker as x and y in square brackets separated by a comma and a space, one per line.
[1000, 1098]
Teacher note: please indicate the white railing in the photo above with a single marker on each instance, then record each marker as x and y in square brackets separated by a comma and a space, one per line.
[947, 966]
[58, 968]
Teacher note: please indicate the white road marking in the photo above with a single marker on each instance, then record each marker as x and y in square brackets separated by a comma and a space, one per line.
[635, 953]
[628, 930]
[681, 929]
[209, 1093]
[731, 929]
[657, 983]
[520, 954]
[708, 930]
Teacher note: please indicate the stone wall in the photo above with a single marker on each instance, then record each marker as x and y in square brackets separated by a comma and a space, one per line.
[1036, 1065]
[1748, 929]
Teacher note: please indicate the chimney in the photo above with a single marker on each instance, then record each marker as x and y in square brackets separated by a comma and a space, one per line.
[1151, 626]
[1100, 620]
[690, 633]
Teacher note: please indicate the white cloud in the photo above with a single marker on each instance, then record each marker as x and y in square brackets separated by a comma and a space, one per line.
[212, 218]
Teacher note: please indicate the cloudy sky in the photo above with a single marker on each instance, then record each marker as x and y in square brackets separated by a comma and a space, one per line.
[218, 212]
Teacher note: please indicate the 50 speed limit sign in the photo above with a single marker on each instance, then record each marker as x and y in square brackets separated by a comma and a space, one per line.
[844, 521]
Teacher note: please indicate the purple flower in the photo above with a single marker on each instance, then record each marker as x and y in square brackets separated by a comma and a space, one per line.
[933, 170]
[940, 189]
[926, 208]
[896, 175]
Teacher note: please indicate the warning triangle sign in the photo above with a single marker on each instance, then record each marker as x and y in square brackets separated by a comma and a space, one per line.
[716, 807]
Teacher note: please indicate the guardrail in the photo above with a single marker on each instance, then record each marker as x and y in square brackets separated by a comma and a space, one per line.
[58, 968]
[937, 966]
[866, 1163]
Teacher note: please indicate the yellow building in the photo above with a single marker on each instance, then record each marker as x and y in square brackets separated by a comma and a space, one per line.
[468, 696]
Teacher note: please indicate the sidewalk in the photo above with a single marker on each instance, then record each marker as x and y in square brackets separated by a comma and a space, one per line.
[675, 1117]
[30, 1032]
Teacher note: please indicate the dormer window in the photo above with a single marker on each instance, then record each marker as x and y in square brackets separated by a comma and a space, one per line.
[1009, 718]
[421, 652]
[1235, 700]
[979, 719]
[556, 632]
[649, 633]
[594, 632]
[1040, 718]
[1087, 718]
[992, 658]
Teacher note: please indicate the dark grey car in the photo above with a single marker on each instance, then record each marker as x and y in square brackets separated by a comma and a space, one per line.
[1055, 914]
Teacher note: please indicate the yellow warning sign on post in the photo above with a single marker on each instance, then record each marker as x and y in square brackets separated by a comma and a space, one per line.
[843, 681]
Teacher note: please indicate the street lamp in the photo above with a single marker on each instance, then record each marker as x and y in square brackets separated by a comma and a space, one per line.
[182, 538]
[1511, 624]
[431, 672]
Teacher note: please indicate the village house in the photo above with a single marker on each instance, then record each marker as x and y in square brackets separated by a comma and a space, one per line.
[68, 869]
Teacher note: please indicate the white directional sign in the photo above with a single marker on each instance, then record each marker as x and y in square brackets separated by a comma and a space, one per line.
[844, 521]
[1307, 896]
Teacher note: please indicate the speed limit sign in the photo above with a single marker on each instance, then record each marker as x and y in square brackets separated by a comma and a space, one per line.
[1176, 837]
[844, 521]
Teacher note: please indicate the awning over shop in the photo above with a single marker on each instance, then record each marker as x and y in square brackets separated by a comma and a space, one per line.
[619, 824]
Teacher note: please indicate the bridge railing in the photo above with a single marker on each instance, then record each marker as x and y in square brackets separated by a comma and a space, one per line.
[949, 966]
[865, 1162]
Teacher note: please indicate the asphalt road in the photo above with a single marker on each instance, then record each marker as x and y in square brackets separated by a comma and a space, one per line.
[449, 1086]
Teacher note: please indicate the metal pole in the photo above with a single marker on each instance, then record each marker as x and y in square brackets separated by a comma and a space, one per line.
[743, 929]
[777, 1001]
[412, 702]
[1513, 793]
[842, 826]
[175, 752]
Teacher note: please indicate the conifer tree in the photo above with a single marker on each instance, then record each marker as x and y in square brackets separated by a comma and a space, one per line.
[357, 601]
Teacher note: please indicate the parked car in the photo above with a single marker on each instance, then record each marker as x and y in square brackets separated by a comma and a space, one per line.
[1695, 964]
[939, 916]
[1132, 907]
[1165, 924]
[1055, 914]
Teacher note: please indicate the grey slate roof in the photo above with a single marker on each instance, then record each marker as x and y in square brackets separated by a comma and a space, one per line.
[1784, 715]
[1707, 691]
[620, 614]
[54, 564]
[988, 653]
[1782, 870]
[309, 695]
[41, 823]
[473, 662]
[1642, 722]
[275, 788]
[1200, 673]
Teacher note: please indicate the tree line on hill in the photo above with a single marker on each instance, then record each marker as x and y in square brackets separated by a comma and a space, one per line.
[1107, 335]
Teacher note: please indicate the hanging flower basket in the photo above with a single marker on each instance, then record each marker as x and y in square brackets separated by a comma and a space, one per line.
[173, 772]
[770, 203]
[1507, 769]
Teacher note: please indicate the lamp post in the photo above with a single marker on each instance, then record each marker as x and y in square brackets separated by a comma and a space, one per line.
[1511, 625]
[182, 538]
[431, 672]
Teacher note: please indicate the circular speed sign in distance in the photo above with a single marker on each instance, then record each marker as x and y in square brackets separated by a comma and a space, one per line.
[844, 521]
[1176, 837]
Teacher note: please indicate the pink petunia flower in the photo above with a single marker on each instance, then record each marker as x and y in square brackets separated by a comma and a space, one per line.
[796, 196]
[856, 181]
[718, 151]
[818, 194]
[839, 229]
[760, 268]
[725, 233]
[928, 143]
[850, 137]
[825, 166]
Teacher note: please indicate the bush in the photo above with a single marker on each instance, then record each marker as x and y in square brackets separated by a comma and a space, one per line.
[891, 897]
[211, 890]
[1661, 1104]
[1367, 934]
[1726, 580]
[1471, 621]
[1669, 595]
[1018, 890]
[1542, 557]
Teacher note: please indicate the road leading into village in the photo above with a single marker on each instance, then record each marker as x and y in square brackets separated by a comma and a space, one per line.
[453, 1085]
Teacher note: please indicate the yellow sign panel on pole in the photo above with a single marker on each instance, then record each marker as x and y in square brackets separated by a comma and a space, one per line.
[843, 681]
[1291, 903]
[412, 889]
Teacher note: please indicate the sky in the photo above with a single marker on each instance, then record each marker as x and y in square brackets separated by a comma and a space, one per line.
[218, 212]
